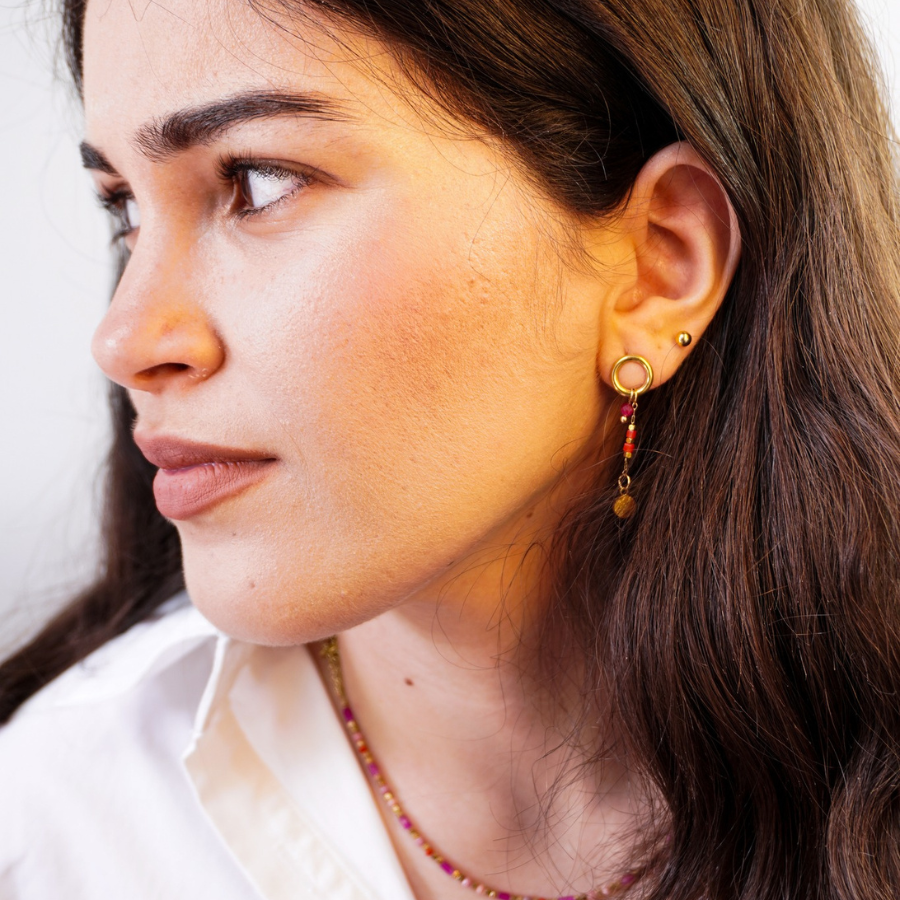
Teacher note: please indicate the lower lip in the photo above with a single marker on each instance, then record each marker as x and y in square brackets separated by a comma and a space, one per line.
[182, 493]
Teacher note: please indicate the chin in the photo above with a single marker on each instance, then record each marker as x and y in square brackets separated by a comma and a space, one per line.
[259, 613]
[275, 605]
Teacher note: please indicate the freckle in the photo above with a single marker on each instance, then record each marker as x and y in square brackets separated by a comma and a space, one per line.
[252, 585]
[529, 515]
[408, 681]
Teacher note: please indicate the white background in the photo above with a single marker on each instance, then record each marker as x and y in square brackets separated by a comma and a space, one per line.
[54, 281]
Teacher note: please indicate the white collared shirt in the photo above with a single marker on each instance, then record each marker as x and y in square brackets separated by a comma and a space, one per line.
[179, 764]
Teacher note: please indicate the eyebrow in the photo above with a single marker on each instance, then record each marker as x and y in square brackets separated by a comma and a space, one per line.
[160, 139]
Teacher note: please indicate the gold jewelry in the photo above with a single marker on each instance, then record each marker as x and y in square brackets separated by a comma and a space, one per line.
[635, 392]
[624, 504]
[684, 339]
[332, 656]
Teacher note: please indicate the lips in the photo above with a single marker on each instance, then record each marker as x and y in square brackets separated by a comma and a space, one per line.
[194, 477]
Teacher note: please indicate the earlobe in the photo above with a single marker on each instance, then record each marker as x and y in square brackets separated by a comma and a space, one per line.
[686, 243]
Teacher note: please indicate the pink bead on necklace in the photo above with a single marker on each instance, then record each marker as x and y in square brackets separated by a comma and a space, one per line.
[332, 656]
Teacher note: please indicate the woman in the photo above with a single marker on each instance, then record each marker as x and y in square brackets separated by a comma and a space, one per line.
[546, 352]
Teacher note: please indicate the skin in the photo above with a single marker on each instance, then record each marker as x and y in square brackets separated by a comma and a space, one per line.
[423, 342]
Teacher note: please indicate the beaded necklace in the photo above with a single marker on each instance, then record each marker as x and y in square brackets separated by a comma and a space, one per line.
[331, 655]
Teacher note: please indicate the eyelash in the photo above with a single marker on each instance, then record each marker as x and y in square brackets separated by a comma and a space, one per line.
[114, 203]
[231, 170]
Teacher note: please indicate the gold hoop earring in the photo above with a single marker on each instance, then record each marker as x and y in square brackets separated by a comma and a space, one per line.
[624, 504]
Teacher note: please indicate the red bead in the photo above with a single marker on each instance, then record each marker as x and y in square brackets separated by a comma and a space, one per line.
[629, 448]
[627, 410]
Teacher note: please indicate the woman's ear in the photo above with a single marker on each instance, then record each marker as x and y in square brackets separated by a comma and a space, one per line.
[685, 245]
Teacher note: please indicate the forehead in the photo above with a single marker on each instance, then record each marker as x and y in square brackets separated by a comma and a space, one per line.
[143, 59]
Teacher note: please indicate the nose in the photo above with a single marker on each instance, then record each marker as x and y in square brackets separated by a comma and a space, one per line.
[155, 334]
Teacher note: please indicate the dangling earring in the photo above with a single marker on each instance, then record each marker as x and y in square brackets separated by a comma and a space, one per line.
[624, 504]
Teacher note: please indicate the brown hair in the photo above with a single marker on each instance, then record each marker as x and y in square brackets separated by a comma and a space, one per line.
[746, 620]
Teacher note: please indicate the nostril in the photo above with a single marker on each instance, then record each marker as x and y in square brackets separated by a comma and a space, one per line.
[156, 372]
[150, 339]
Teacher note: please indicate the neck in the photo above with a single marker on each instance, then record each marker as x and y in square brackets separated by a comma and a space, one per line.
[480, 754]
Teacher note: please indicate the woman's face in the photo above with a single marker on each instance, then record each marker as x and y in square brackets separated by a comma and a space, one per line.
[367, 314]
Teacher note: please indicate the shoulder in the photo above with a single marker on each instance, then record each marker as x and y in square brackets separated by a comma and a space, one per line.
[90, 767]
[123, 664]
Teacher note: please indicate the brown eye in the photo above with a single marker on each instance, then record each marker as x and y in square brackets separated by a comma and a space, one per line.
[124, 210]
[265, 185]
[131, 214]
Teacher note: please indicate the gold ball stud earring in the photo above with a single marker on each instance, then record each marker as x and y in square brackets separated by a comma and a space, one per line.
[684, 339]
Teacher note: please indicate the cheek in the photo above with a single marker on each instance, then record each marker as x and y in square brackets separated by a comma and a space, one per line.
[397, 359]
[411, 387]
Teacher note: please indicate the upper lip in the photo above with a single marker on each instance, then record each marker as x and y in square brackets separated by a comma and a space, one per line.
[167, 452]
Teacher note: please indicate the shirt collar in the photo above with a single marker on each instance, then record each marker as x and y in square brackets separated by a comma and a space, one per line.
[272, 768]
